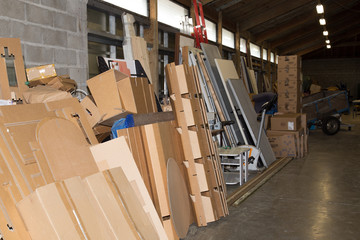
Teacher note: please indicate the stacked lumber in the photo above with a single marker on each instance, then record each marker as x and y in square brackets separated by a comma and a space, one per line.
[207, 187]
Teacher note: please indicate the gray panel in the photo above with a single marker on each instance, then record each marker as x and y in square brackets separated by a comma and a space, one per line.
[242, 101]
[211, 52]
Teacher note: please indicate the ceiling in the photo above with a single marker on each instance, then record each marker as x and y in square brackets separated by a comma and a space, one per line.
[292, 27]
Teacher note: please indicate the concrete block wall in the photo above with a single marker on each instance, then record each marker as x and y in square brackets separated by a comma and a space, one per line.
[51, 31]
[330, 72]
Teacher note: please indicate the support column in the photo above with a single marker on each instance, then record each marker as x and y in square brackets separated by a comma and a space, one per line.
[151, 36]
[237, 49]
[219, 33]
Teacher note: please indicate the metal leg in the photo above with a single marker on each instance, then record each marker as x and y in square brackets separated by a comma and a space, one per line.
[241, 168]
[246, 165]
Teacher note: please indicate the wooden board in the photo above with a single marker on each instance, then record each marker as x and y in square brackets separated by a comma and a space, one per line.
[46, 216]
[114, 213]
[76, 109]
[179, 199]
[116, 153]
[13, 46]
[65, 149]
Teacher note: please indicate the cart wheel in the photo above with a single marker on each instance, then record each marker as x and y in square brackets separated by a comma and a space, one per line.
[331, 125]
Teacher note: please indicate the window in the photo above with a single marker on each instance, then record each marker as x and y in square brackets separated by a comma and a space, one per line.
[228, 38]
[264, 54]
[255, 50]
[171, 13]
[272, 58]
[136, 6]
[242, 45]
[210, 30]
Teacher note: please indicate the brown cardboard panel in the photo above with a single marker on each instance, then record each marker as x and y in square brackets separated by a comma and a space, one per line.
[283, 145]
[288, 75]
[40, 72]
[92, 112]
[104, 91]
[46, 216]
[116, 153]
[41, 162]
[43, 94]
[65, 149]
[140, 52]
[23, 113]
[132, 94]
[287, 122]
[77, 110]
[281, 142]
[11, 47]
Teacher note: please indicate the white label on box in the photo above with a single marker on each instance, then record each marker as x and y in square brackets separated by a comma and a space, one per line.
[291, 126]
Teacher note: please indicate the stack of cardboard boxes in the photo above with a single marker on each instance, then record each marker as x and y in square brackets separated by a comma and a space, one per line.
[288, 131]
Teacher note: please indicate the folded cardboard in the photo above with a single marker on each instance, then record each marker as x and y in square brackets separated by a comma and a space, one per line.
[43, 94]
[293, 61]
[287, 122]
[92, 112]
[283, 145]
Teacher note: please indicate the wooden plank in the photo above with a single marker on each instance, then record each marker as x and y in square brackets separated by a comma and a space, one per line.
[65, 149]
[116, 153]
[179, 199]
[46, 216]
[114, 213]
[134, 205]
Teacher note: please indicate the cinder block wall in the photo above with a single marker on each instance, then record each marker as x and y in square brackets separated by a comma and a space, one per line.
[51, 31]
[330, 72]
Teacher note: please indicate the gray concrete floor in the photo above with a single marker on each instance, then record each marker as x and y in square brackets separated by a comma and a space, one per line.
[317, 197]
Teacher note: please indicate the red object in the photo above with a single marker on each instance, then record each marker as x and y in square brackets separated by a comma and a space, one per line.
[199, 28]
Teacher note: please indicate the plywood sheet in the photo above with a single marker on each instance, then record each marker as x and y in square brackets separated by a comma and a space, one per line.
[65, 149]
[211, 53]
[116, 152]
[46, 216]
[179, 199]
[114, 213]
[243, 102]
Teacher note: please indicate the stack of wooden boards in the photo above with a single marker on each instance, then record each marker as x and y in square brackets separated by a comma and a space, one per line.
[202, 163]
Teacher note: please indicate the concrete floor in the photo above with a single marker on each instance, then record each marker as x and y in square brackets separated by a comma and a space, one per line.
[317, 197]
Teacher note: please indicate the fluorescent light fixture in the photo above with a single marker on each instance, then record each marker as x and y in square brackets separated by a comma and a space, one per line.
[319, 8]
[327, 41]
[322, 21]
[325, 33]
[328, 46]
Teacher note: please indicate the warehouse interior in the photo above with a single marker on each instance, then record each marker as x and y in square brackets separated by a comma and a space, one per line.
[179, 119]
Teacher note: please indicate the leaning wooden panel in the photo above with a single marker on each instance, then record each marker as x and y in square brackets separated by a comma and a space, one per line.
[65, 149]
[116, 153]
[11, 59]
[46, 216]
[77, 113]
[114, 213]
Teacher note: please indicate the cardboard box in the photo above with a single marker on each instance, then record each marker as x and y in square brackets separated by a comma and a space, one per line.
[92, 112]
[131, 91]
[283, 145]
[293, 61]
[315, 88]
[286, 122]
[291, 73]
[103, 88]
[41, 72]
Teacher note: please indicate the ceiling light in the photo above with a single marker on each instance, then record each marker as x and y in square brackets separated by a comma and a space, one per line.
[328, 46]
[322, 21]
[319, 8]
[325, 33]
[327, 41]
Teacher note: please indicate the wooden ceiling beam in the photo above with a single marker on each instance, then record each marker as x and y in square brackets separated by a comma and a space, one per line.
[262, 16]
[340, 19]
[335, 35]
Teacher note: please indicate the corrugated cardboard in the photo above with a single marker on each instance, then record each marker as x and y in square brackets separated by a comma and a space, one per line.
[92, 112]
[288, 105]
[293, 74]
[43, 94]
[131, 91]
[286, 122]
[103, 88]
[40, 72]
[283, 145]
[293, 61]
[315, 88]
